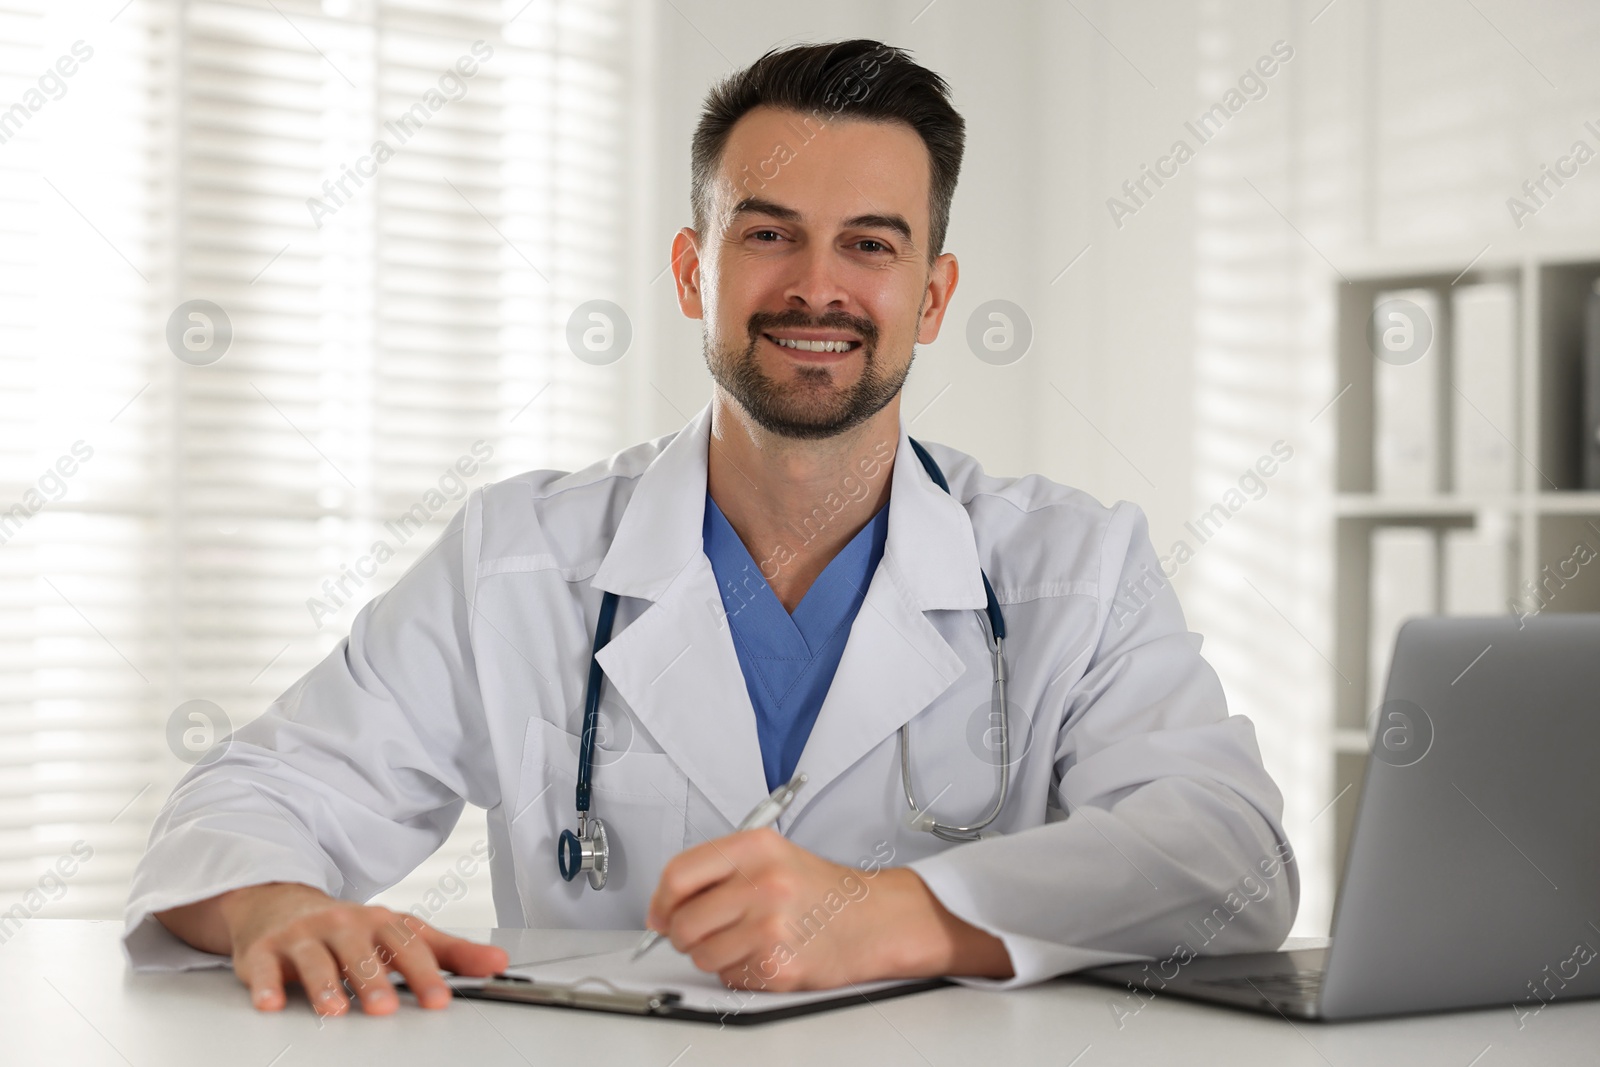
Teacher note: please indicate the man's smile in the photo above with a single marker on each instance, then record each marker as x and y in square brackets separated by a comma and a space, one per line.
[813, 346]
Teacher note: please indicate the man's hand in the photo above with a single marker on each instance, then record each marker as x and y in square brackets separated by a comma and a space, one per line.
[763, 913]
[283, 931]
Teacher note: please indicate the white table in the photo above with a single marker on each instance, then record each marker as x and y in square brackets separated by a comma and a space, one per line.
[67, 998]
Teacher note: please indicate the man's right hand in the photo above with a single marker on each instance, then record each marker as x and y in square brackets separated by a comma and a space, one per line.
[283, 931]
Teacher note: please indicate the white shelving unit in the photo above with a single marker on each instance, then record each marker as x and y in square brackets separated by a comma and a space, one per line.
[1546, 511]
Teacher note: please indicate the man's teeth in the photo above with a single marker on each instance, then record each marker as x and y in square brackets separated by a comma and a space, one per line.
[816, 346]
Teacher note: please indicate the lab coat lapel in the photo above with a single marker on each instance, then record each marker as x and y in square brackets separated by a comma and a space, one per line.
[675, 664]
[896, 662]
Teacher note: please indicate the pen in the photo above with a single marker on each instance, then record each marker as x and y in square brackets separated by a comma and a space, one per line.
[765, 814]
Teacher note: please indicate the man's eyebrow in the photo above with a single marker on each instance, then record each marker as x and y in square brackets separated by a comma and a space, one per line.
[755, 205]
[881, 222]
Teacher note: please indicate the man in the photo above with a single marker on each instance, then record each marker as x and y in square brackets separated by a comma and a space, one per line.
[794, 589]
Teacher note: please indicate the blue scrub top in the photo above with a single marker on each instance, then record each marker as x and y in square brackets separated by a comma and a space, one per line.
[789, 660]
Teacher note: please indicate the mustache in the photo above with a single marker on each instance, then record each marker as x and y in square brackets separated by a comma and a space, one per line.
[764, 322]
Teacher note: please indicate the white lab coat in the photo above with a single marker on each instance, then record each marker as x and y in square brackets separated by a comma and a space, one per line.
[466, 681]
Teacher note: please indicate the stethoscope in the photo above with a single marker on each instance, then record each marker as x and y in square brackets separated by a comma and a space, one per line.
[589, 851]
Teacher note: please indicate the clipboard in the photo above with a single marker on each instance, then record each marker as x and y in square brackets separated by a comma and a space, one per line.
[597, 994]
[666, 985]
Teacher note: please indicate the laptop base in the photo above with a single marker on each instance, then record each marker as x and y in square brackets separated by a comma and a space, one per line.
[1276, 983]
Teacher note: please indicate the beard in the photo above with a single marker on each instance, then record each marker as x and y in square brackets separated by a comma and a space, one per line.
[810, 407]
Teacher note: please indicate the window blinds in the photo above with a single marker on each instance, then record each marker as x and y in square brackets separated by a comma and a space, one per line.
[395, 204]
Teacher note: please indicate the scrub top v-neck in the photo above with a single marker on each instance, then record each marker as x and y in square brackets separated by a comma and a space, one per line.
[789, 660]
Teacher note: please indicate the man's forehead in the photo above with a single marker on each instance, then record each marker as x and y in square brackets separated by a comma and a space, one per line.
[803, 170]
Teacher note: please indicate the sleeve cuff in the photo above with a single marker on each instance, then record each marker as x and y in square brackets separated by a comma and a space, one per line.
[149, 946]
[237, 862]
[1032, 960]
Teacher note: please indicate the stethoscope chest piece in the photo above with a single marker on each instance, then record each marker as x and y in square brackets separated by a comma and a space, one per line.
[586, 850]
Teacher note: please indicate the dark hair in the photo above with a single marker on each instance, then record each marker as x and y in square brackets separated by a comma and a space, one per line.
[861, 79]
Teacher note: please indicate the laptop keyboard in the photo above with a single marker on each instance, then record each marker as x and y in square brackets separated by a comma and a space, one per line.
[1302, 985]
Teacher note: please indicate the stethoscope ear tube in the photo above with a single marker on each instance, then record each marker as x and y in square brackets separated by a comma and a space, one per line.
[921, 820]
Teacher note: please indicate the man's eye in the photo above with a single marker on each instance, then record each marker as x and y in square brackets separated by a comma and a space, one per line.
[774, 233]
[873, 241]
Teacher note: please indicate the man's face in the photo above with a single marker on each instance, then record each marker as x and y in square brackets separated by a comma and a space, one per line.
[810, 241]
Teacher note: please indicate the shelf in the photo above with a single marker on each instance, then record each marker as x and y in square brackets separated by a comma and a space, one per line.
[1568, 503]
[1528, 549]
[1373, 506]
[1361, 505]
[1449, 260]
[1370, 505]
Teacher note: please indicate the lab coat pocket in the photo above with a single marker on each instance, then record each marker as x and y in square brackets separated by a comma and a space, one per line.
[639, 795]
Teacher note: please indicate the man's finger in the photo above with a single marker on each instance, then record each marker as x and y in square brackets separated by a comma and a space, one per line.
[723, 947]
[693, 870]
[366, 964]
[460, 956]
[413, 958]
[318, 973]
[262, 974]
[707, 913]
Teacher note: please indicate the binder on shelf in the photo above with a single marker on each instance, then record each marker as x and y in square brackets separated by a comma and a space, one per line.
[1403, 584]
[1477, 569]
[1590, 427]
[1483, 332]
[1406, 402]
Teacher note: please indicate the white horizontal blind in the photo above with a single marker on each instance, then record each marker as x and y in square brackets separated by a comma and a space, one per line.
[393, 311]
[81, 666]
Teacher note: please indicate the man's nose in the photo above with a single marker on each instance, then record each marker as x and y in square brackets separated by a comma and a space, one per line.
[817, 281]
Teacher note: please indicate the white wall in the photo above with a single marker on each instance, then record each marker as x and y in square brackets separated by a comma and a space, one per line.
[1198, 333]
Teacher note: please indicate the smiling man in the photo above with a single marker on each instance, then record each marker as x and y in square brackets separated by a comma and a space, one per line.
[788, 584]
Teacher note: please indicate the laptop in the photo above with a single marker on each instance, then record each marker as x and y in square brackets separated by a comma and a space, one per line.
[1473, 876]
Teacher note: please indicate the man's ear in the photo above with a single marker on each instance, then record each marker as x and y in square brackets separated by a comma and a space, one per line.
[942, 279]
[686, 272]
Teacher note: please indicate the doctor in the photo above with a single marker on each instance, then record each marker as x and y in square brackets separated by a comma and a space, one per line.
[794, 592]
